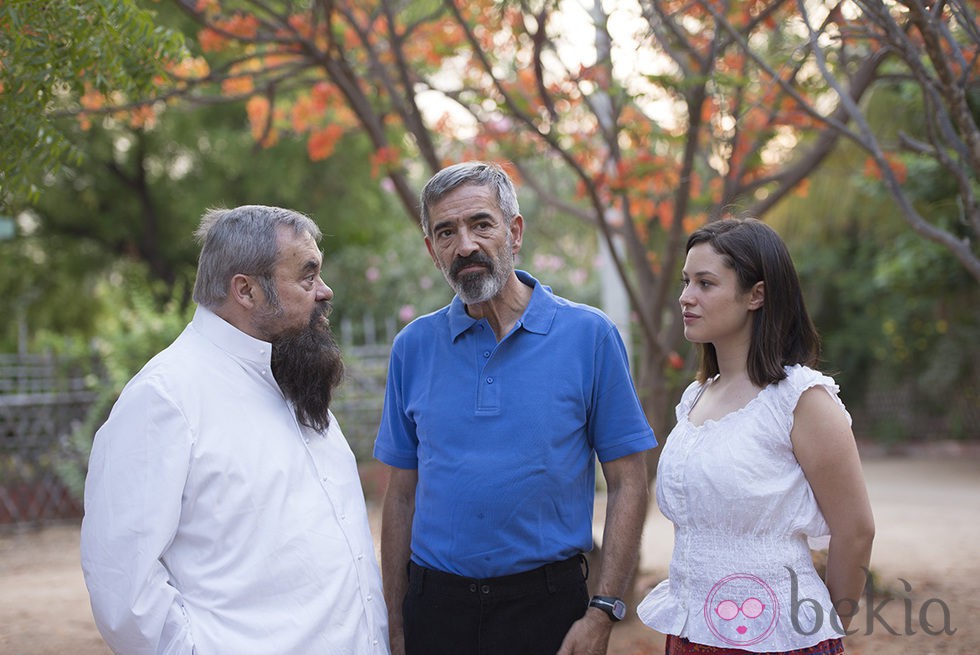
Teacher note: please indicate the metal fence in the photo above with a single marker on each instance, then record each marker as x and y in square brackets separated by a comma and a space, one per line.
[47, 405]
[358, 401]
[42, 402]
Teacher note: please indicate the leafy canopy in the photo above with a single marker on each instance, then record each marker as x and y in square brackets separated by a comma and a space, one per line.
[53, 52]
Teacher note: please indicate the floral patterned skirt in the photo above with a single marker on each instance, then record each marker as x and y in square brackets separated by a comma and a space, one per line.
[679, 646]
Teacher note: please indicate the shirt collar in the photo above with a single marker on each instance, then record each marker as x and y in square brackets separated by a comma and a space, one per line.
[537, 317]
[230, 339]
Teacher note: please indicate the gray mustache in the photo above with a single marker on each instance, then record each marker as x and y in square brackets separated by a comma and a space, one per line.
[478, 259]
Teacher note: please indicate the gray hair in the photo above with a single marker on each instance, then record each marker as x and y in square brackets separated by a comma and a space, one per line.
[477, 173]
[242, 240]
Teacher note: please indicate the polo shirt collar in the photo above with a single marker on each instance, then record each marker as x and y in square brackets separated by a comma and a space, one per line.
[538, 315]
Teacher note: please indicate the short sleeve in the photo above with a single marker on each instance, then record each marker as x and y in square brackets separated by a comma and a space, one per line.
[617, 425]
[397, 440]
[800, 378]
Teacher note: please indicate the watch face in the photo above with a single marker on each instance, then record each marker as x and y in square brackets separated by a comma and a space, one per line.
[614, 607]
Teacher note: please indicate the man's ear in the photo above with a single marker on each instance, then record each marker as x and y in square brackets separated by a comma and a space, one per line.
[757, 296]
[517, 232]
[243, 290]
[432, 252]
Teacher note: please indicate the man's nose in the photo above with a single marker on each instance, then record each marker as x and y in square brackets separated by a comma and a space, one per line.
[466, 245]
[323, 292]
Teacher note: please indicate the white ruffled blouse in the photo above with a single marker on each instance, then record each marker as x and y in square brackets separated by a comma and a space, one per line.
[741, 575]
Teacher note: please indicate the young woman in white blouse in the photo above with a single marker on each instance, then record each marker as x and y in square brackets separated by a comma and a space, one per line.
[762, 464]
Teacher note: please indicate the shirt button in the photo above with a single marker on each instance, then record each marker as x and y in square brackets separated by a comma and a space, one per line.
[370, 597]
[486, 353]
[489, 380]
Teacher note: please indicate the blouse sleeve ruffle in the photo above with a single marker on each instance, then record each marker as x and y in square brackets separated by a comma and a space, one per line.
[690, 394]
[800, 378]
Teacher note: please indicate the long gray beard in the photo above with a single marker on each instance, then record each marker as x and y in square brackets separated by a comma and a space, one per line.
[308, 365]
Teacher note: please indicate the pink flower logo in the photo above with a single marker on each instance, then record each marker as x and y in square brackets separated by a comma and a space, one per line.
[741, 610]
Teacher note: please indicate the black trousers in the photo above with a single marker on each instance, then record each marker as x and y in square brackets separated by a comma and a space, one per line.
[522, 614]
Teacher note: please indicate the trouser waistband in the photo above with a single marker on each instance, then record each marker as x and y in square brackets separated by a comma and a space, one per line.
[549, 577]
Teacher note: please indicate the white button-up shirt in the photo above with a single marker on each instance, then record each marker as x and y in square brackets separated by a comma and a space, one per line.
[215, 523]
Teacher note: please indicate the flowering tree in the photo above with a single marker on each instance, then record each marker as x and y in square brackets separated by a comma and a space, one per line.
[54, 50]
[657, 116]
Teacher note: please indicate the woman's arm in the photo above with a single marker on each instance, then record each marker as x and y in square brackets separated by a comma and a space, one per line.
[825, 447]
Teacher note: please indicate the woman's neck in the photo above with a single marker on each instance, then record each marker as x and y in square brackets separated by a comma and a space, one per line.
[733, 361]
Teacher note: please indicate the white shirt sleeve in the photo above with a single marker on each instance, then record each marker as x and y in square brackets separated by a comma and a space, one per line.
[137, 472]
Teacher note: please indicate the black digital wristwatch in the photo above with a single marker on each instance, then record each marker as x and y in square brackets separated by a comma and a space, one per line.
[614, 607]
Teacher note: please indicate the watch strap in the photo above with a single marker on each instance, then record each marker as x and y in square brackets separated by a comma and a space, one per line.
[614, 607]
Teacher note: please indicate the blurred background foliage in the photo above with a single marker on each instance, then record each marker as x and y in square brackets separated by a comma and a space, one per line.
[898, 317]
[102, 260]
[120, 225]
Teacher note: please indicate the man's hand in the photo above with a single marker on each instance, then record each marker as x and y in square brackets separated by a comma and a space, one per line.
[589, 635]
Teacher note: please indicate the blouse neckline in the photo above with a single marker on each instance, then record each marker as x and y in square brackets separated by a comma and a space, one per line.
[721, 419]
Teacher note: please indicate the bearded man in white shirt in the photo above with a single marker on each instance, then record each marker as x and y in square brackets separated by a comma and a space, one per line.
[223, 510]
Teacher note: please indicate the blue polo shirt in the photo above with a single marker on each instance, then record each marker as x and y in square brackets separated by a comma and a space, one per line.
[505, 435]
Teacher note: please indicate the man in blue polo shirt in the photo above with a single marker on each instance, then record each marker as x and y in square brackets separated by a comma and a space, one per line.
[496, 407]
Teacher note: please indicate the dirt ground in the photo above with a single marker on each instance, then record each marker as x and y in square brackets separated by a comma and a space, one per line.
[927, 511]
